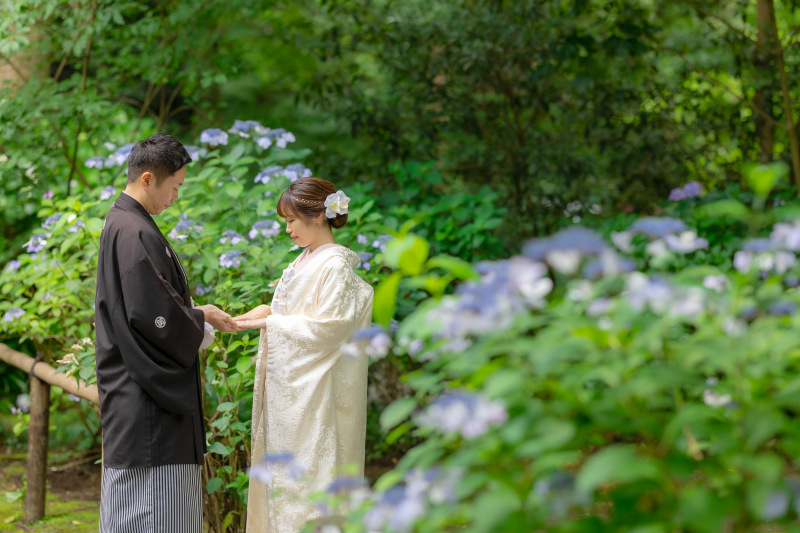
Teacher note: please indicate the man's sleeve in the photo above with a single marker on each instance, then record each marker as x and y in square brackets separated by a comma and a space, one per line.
[159, 337]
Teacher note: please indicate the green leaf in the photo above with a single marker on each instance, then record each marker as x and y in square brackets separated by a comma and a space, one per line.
[213, 485]
[762, 177]
[493, 507]
[219, 448]
[385, 300]
[723, 208]
[244, 364]
[226, 406]
[453, 265]
[234, 190]
[407, 253]
[615, 464]
[396, 412]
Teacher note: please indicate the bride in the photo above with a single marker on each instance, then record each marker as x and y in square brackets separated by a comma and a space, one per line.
[309, 399]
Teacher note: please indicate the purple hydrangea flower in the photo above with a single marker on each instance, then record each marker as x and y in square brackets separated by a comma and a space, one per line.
[658, 227]
[99, 162]
[296, 171]
[467, 413]
[379, 342]
[13, 314]
[264, 175]
[77, 226]
[201, 290]
[51, 220]
[107, 193]
[120, 155]
[243, 127]
[195, 152]
[231, 236]
[346, 484]
[691, 190]
[232, 259]
[783, 308]
[265, 228]
[184, 228]
[214, 137]
[361, 239]
[380, 242]
[48, 195]
[279, 136]
[36, 243]
[13, 265]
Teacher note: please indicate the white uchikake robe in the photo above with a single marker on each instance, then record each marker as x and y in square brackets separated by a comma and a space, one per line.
[308, 399]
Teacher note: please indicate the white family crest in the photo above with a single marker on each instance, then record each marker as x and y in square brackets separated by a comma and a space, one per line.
[168, 254]
[160, 322]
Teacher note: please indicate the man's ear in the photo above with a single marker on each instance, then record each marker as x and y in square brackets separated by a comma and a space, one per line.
[147, 180]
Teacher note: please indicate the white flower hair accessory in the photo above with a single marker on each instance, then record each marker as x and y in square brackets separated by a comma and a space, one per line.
[336, 204]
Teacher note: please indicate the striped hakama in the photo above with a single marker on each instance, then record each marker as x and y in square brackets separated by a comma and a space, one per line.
[161, 499]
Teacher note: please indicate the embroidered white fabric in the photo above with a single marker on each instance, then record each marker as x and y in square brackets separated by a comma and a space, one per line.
[309, 400]
[208, 336]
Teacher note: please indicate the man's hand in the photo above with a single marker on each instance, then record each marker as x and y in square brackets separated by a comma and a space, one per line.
[255, 318]
[218, 318]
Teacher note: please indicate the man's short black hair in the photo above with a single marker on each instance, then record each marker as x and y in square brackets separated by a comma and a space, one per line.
[161, 154]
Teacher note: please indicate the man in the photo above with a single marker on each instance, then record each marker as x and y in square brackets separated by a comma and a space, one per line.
[148, 371]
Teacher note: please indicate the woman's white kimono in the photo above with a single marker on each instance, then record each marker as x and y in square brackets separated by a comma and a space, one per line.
[308, 399]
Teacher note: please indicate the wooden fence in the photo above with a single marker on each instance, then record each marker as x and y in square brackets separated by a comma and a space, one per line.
[42, 376]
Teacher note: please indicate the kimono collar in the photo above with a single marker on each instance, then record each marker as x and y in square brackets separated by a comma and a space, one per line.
[126, 202]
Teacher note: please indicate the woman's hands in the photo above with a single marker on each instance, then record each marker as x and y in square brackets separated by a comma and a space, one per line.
[255, 318]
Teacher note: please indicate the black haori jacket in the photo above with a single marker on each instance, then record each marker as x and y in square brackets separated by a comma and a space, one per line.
[148, 334]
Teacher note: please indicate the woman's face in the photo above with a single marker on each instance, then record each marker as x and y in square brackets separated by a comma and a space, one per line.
[304, 232]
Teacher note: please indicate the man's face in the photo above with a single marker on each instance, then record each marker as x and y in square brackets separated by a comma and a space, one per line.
[161, 196]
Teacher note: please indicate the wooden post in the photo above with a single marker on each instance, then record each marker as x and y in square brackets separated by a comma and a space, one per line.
[37, 449]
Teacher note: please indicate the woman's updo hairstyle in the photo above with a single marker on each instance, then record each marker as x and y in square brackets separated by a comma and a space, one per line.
[306, 197]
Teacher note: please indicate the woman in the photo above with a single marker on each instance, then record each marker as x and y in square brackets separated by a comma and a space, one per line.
[309, 400]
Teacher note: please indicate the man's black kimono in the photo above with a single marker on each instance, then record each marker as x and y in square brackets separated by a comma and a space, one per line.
[148, 335]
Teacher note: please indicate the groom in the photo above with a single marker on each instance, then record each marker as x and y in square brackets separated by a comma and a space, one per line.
[148, 371]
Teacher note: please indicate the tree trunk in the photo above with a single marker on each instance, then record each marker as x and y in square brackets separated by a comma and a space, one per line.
[765, 130]
[791, 130]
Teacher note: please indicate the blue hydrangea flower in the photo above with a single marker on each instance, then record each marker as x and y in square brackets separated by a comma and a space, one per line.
[346, 484]
[564, 250]
[107, 193]
[264, 175]
[184, 228]
[265, 228]
[231, 236]
[658, 227]
[786, 235]
[195, 152]
[279, 136]
[686, 242]
[465, 412]
[608, 264]
[380, 242]
[120, 155]
[13, 314]
[296, 171]
[13, 265]
[51, 220]
[99, 162]
[77, 226]
[201, 290]
[373, 340]
[690, 190]
[361, 239]
[287, 460]
[214, 137]
[783, 308]
[232, 259]
[36, 243]
[243, 127]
